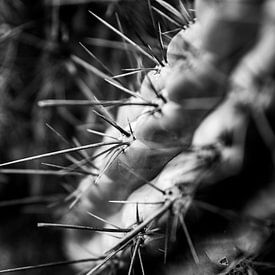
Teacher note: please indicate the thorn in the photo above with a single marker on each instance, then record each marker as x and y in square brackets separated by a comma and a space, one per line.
[102, 134]
[81, 227]
[171, 31]
[73, 168]
[139, 202]
[99, 42]
[103, 220]
[68, 170]
[157, 32]
[142, 178]
[48, 265]
[109, 162]
[141, 262]
[167, 17]
[131, 130]
[77, 197]
[172, 10]
[174, 227]
[96, 59]
[29, 201]
[60, 152]
[127, 91]
[136, 248]
[126, 74]
[40, 172]
[89, 67]
[161, 43]
[140, 69]
[124, 37]
[67, 102]
[130, 59]
[167, 238]
[56, 132]
[183, 11]
[151, 15]
[189, 240]
[114, 124]
[108, 258]
[83, 87]
[84, 154]
[103, 110]
[139, 228]
[158, 95]
[137, 214]
[78, 165]
[159, 62]
[63, 138]
[109, 150]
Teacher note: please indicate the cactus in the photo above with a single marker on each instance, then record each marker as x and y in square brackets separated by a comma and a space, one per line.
[158, 195]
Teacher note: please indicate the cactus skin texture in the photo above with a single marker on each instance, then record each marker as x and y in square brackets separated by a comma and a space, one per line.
[189, 186]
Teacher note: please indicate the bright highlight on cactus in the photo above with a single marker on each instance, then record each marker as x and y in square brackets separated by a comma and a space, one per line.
[152, 198]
